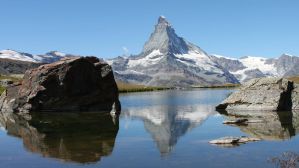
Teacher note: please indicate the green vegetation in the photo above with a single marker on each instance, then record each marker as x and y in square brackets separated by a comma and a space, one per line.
[14, 78]
[228, 85]
[295, 79]
[1, 89]
[126, 87]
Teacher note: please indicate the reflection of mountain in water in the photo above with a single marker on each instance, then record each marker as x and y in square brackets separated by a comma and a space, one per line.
[76, 137]
[271, 125]
[167, 123]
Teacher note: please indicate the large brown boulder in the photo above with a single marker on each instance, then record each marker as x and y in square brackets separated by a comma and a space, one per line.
[72, 84]
[76, 137]
[263, 94]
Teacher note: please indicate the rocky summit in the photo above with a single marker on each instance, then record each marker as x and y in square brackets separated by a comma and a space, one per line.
[263, 94]
[71, 84]
[170, 60]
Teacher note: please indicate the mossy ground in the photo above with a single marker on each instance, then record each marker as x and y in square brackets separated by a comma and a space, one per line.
[228, 85]
[295, 79]
[126, 87]
[14, 78]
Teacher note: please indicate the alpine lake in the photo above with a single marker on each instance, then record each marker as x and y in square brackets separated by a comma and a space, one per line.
[155, 129]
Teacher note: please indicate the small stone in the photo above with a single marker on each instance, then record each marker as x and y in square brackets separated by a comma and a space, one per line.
[237, 121]
[247, 139]
[233, 140]
[225, 140]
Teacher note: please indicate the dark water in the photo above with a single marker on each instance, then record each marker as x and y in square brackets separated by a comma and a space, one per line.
[156, 129]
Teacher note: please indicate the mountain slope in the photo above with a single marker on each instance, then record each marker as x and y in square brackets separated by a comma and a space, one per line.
[21, 56]
[9, 66]
[249, 67]
[169, 60]
[168, 124]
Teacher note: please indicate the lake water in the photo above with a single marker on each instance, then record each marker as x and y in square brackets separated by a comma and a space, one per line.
[156, 129]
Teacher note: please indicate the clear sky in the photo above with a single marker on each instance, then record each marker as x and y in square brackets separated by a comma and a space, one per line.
[108, 28]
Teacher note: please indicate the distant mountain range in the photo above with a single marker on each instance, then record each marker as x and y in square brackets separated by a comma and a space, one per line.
[14, 62]
[45, 58]
[249, 67]
[170, 60]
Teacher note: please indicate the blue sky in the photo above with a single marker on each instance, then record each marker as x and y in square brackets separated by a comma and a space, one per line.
[105, 27]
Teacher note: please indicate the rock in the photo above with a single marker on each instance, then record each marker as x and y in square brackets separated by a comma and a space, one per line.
[271, 94]
[254, 121]
[241, 121]
[225, 140]
[248, 139]
[237, 121]
[233, 140]
[71, 84]
[295, 97]
[5, 82]
[268, 125]
[70, 137]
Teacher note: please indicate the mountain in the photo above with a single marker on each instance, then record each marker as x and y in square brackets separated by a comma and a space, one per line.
[21, 56]
[167, 124]
[10, 66]
[170, 60]
[249, 67]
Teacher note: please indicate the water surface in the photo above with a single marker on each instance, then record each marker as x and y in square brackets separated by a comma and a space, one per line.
[155, 129]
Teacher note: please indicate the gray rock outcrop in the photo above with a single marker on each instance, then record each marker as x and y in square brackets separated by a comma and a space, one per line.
[71, 84]
[271, 94]
[269, 125]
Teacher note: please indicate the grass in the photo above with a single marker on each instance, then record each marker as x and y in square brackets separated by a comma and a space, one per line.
[228, 85]
[126, 87]
[14, 78]
[1, 89]
[295, 79]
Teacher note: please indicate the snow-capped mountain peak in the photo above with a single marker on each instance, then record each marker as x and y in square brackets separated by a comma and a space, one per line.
[21, 56]
[15, 55]
[56, 53]
[170, 60]
[165, 39]
[162, 20]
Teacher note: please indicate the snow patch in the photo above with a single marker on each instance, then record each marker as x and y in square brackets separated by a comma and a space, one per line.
[221, 56]
[129, 72]
[14, 55]
[198, 59]
[258, 63]
[150, 59]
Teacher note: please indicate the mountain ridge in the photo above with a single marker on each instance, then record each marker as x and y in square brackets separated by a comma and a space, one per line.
[169, 60]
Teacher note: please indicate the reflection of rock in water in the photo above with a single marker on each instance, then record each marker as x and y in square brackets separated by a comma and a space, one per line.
[76, 137]
[272, 125]
[167, 123]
